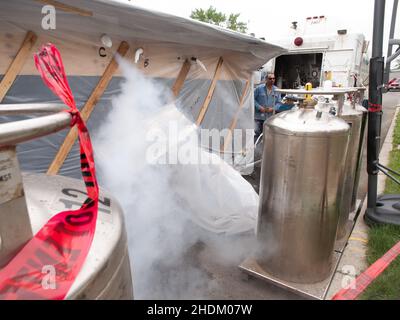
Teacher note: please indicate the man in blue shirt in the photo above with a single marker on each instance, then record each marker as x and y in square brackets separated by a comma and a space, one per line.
[266, 101]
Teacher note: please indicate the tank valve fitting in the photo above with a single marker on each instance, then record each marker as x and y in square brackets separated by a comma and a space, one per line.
[332, 111]
[310, 104]
[308, 87]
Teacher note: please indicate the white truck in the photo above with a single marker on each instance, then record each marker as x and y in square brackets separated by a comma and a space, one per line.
[315, 55]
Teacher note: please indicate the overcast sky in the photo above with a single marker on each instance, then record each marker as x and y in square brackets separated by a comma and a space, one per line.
[272, 19]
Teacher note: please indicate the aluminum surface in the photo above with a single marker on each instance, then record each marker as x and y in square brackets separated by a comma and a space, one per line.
[354, 118]
[106, 273]
[318, 91]
[12, 133]
[31, 108]
[300, 196]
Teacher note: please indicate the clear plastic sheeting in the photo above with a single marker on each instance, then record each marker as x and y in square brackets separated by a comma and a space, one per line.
[216, 195]
[226, 105]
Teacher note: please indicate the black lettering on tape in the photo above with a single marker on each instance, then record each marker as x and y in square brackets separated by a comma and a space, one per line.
[32, 263]
[44, 257]
[61, 228]
[49, 241]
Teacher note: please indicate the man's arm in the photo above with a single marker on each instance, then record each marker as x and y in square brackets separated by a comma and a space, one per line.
[278, 101]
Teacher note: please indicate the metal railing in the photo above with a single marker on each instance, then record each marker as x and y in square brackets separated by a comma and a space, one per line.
[12, 133]
[338, 92]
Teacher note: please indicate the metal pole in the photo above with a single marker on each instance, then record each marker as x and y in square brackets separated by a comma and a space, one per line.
[31, 108]
[375, 103]
[12, 133]
[391, 36]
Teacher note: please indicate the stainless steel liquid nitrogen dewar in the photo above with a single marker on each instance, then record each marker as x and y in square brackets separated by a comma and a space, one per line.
[301, 180]
[354, 118]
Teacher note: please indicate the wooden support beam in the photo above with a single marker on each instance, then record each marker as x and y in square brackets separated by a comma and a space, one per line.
[228, 137]
[87, 110]
[17, 64]
[210, 93]
[180, 80]
[67, 8]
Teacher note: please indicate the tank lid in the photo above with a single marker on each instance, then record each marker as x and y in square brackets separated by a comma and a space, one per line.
[307, 122]
[318, 91]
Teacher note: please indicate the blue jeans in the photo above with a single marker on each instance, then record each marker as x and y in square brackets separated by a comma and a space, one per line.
[258, 128]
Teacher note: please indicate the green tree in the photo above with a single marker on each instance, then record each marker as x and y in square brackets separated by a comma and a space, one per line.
[236, 25]
[211, 15]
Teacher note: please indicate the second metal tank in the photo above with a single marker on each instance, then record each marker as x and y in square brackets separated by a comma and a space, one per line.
[358, 100]
[354, 118]
[301, 178]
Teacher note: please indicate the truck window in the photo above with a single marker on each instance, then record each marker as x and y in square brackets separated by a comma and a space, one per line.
[294, 70]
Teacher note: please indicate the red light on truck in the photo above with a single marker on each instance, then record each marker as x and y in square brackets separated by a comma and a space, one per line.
[298, 41]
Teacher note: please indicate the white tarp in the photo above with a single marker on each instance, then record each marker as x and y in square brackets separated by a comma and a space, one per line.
[216, 195]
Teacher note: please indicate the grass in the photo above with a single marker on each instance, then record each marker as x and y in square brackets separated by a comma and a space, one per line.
[382, 238]
[387, 285]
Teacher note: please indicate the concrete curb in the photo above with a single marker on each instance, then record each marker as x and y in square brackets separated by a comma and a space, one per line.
[353, 260]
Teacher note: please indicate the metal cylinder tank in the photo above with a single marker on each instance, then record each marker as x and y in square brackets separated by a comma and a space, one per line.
[354, 118]
[360, 108]
[106, 273]
[302, 171]
[29, 200]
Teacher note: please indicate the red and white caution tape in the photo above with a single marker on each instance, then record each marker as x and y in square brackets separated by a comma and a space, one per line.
[364, 280]
[64, 241]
